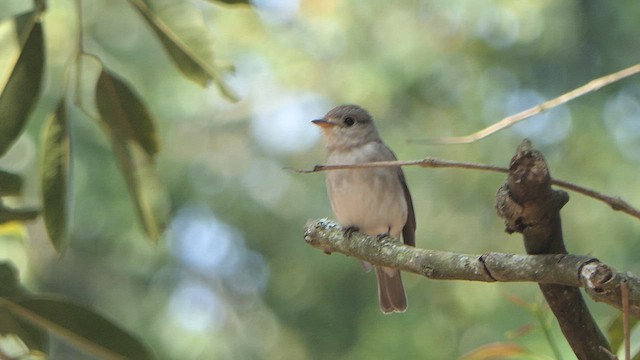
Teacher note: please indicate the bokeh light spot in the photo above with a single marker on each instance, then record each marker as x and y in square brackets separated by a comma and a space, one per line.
[196, 308]
[622, 118]
[204, 243]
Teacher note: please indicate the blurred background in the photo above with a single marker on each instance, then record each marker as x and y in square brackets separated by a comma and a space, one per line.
[232, 278]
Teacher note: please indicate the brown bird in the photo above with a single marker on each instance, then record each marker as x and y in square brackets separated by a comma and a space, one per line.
[373, 201]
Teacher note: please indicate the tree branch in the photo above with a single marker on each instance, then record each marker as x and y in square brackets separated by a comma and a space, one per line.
[592, 85]
[529, 205]
[599, 280]
[614, 202]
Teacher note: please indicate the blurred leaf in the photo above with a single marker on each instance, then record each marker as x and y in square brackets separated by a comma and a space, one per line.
[15, 342]
[41, 5]
[186, 41]
[521, 331]
[80, 326]
[55, 180]
[140, 178]
[13, 8]
[118, 107]
[23, 24]
[7, 214]
[10, 184]
[634, 340]
[231, 2]
[33, 337]
[13, 229]
[121, 107]
[23, 87]
[495, 351]
[9, 284]
[615, 332]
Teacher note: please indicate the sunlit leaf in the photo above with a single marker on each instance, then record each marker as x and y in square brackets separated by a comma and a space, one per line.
[134, 168]
[185, 39]
[121, 107]
[55, 179]
[15, 331]
[128, 134]
[15, 229]
[495, 351]
[23, 86]
[80, 326]
[11, 8]
[10, 184]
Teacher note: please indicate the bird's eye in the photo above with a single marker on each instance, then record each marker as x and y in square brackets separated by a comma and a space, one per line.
[349, 121]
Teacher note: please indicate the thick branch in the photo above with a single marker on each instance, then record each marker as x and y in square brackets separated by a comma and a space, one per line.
[529, 206]
[599, 280]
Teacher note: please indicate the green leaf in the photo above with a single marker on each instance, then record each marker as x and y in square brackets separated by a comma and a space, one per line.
[12, 8]
[132, 138]
[23, 87]
[55, 179]
[9, 284]
[79, 326]
[7, 214]
[185, 39]
[32, 337]
[120, 106]
[10, 184]
[615, 331]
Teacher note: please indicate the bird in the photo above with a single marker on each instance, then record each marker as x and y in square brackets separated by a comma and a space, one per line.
[374, 201]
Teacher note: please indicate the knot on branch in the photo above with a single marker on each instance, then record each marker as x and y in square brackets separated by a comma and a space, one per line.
[603, 283]
[318, 230]
[526, 201]
[528, 205]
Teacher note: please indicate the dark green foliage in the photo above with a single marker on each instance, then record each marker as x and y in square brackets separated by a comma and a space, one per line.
[22, 90]
[56, 176]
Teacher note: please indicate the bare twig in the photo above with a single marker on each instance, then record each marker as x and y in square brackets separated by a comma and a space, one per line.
[615, 203]
[593, 85]
[624, 290]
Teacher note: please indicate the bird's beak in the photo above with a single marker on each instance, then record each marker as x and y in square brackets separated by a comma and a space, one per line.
[325, 124]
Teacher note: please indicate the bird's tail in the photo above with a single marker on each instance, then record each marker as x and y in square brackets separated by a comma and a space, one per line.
[390, 290]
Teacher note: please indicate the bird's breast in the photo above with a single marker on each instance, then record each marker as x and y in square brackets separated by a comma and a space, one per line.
[370, 199]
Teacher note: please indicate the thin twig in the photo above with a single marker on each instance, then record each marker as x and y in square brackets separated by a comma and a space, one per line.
[624, 289]
[592, 85]
[616, 203]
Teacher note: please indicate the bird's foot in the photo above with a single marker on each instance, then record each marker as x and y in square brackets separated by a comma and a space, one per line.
[382, 236]
[348, 231]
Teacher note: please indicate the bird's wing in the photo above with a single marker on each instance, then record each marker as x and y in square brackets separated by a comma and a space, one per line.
[409, 229]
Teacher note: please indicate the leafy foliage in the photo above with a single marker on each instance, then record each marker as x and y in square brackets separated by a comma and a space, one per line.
[237, 282]
[56, 176]
[21, 90]
[186, 43]
[130, 125]
[27, 315]
[133, 133]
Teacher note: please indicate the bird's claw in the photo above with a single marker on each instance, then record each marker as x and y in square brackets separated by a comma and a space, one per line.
[350, 230]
